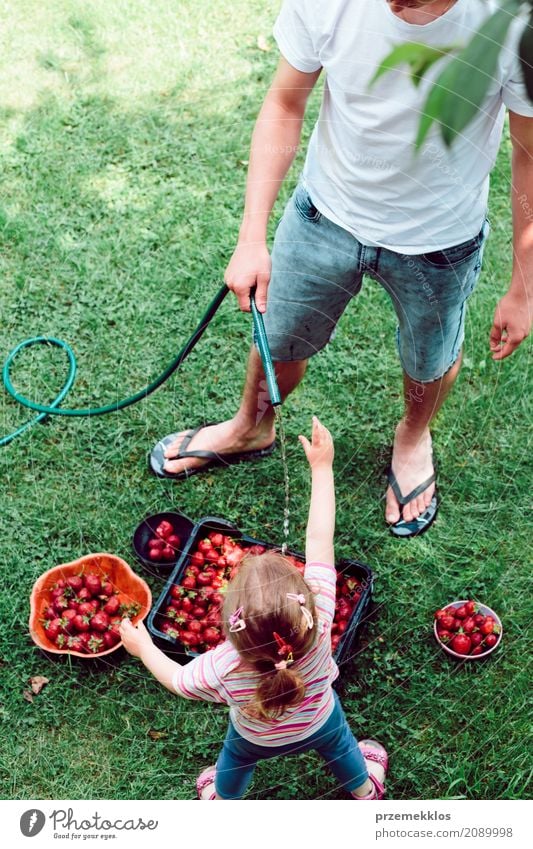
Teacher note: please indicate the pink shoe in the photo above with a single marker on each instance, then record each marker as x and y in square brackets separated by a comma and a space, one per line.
[374, 751]
[206, 778]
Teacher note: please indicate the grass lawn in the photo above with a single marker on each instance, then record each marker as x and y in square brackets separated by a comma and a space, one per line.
[124, 131]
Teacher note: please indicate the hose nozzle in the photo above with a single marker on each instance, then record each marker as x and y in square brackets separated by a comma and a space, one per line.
[264, 352]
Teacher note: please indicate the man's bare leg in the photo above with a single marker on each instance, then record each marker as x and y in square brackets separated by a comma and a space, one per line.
[253, 425]
[412, 459]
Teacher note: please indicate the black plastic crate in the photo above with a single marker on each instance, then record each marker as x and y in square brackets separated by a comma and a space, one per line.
[211, 524]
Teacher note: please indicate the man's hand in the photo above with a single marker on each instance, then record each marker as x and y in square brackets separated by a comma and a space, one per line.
[249, 266]
[135, 639]
[319, 451]
[512, 324]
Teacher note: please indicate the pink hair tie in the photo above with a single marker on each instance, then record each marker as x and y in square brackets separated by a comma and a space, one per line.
[300, 598]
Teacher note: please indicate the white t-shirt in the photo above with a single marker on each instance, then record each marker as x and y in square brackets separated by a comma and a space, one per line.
[362, 171]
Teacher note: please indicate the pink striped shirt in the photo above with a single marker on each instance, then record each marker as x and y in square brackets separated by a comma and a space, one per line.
[217, 676]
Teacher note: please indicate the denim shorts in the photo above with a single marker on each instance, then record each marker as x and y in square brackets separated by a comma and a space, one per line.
[317, 268]
[333, 741]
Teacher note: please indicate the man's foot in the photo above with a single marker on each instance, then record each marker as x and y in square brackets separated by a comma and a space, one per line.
[412, 463]
[223, 438]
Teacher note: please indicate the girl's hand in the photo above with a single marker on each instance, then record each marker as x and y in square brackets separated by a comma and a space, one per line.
[135, 639]
[319, 451]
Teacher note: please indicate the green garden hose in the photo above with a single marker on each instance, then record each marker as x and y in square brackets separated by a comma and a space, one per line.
[55, 410]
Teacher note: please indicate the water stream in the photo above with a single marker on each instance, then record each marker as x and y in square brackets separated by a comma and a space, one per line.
[283, 446]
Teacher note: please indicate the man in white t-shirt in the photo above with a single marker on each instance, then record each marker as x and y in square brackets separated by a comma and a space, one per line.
[368, 204]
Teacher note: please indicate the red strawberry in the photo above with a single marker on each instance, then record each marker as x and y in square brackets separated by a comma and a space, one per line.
[81, 623]
[110, 639]
[112, 606]
[197, 559]
[189, 639]
[100, 621]
[53, 629]
[75, 582]
[477, 650]
[211, 635]
[216, 539]
[446, 623]
[445, 636]
[170, 630]
[84, 595]
[488, 625]
[107, 588]
[476, 638]
[74, 643]
[469, 625]
[204, 545]
[86, 609]
[205, 578]
[60, 604]
[461, 644]
[189, 582]
[461, 612]
[93, 583]
[95, 644]
[164, 529]
[491, 640]
[471, 607]
[67, 619]
[84, 639]
[479, 619]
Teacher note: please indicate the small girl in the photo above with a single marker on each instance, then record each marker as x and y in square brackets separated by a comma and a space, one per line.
[275, 670]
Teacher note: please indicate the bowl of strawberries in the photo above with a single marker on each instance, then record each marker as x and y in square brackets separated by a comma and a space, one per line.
[467, 630]
[76, 608]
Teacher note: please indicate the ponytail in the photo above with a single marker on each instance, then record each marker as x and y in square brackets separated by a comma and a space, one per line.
[278, 690]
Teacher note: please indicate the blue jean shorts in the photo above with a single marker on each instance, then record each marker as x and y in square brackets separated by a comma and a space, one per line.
[333, 741]
[318, 267]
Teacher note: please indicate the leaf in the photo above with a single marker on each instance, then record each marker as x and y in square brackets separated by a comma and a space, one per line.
[157, 735]
[37, 683]
[28, 696]
[460, 89]
[432, 108]
[420, 57]
[262, 43]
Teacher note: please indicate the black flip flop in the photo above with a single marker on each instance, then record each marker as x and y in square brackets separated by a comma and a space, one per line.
[157, 459]
[418, 526]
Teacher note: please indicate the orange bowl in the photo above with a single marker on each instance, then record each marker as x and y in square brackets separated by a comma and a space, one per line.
[131, 587]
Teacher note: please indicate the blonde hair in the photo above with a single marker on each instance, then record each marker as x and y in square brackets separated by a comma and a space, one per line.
[260, 588]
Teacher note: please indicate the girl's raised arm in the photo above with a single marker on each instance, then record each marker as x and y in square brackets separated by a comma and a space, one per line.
[321, 523]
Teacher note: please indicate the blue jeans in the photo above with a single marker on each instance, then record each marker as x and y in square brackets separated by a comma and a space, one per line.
[318, 267]
[333, 741]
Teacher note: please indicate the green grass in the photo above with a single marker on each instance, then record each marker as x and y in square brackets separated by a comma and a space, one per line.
[123, 139]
